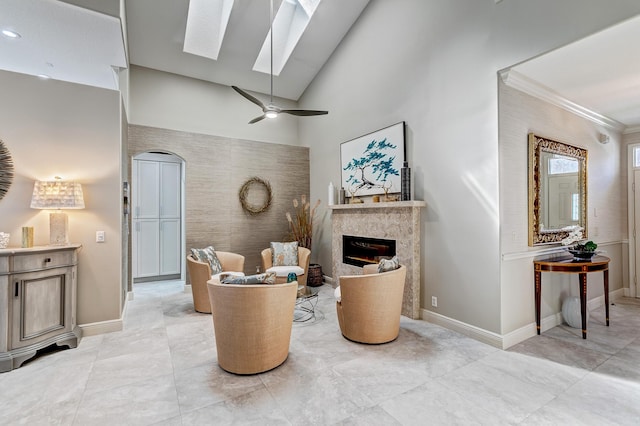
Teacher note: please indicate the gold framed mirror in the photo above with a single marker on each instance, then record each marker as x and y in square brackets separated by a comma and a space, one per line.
[557, 190]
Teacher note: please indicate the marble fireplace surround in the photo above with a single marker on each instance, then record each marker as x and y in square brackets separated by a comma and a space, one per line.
[399, 221]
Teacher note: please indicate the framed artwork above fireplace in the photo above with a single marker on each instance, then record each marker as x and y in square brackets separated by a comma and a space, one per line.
[371, 164]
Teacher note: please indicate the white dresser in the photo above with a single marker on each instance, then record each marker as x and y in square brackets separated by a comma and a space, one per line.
[37, 301]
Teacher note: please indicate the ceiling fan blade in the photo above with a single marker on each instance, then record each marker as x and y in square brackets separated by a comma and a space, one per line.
[255, 120]
[249, 97]
[303, 112]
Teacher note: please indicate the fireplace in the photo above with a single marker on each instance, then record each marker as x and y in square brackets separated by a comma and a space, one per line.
[397, 221]
[360, 251]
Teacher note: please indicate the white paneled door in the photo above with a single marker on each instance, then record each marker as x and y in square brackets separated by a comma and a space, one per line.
[157, 222]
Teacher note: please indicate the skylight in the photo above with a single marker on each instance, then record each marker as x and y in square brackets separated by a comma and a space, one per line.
[206, 24]
[289, 24]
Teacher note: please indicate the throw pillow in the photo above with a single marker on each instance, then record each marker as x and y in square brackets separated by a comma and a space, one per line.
[264, 278]
[208, 255]
[387, 265]
[285, 254]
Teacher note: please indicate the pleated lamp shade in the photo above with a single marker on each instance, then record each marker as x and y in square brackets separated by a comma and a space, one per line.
[56, 195]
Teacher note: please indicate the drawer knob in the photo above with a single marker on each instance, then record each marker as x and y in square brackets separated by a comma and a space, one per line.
[47, 260]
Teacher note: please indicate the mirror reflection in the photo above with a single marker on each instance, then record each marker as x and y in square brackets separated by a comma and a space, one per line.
[557, 189]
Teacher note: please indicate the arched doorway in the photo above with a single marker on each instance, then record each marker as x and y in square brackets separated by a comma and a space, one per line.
[157, 217]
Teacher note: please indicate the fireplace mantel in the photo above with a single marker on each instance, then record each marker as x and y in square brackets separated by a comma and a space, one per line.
[387, 205]
[397, 220]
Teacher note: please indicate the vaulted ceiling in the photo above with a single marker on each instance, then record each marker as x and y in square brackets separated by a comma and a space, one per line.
[83, 41]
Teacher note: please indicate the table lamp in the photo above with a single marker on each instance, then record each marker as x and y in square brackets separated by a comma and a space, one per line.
[57, 195]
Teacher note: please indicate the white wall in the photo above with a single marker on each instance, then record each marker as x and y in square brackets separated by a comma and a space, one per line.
[168, 101]
[73, 131]
[433, 65]
[521, 114]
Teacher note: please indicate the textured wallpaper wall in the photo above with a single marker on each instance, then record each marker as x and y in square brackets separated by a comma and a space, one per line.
[215, 169]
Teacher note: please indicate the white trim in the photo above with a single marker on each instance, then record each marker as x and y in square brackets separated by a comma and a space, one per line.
[521, 334]
[101, 327]
[629, 130]
[631, 214]
[328, 280]
[523, 83]
[472, 331]
[187, 288]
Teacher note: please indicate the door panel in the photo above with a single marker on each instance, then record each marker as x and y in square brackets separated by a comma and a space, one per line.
[170, 246]
[170, 190]
[147, 190]
[146, 246]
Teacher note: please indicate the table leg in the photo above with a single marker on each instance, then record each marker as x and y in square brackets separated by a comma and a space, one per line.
[583, 303]
[537, 279]
[606, 294]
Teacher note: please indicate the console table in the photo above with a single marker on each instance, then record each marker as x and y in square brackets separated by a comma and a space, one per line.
[37, 301]
[572, 266]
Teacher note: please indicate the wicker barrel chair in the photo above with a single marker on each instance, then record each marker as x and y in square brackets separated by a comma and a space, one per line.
[252, 324]
[200, 273]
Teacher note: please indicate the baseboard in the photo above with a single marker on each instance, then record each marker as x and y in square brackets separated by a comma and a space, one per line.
[187, 288]
[505, 341]
[472, 331]
[328, 280]
[101, 327]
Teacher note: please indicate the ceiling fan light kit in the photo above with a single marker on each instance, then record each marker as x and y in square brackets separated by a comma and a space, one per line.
[271, 110]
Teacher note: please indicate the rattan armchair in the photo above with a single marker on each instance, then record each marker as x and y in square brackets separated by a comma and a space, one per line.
[370, 305]
[252, 324]
[200, 273]
[303, 262]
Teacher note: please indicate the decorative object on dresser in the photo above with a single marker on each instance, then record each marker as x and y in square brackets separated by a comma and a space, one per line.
[6, 170]
[371, 163]
[57, 195]
[27, 236]
[39, 304]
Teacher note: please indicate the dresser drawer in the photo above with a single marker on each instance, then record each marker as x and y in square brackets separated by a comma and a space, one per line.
[36, 261]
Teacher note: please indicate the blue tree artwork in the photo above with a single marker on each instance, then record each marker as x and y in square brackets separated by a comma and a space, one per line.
[371, 164]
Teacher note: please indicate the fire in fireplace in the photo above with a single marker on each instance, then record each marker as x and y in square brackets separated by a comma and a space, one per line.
[360, 251]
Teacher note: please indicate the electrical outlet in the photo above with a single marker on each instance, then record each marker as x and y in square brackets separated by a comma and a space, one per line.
[434, 301]
[99, 236]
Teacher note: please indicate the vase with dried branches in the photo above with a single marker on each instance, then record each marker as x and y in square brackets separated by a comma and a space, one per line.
[301, 221]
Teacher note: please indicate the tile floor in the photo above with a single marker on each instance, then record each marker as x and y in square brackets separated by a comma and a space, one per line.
[162, 370]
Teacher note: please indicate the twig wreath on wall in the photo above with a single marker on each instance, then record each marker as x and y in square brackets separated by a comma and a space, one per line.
[371, 163]
[251, 189]
[6, 169]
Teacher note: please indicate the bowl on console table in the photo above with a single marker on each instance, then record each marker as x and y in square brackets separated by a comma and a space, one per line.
[582, 254]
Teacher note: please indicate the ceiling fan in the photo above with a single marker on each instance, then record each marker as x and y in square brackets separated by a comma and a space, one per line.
[271, 110]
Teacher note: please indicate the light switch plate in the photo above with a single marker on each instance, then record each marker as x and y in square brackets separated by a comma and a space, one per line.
[99, 236]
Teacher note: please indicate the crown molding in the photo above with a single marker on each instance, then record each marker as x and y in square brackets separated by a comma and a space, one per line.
[629, 130]
[523, 83]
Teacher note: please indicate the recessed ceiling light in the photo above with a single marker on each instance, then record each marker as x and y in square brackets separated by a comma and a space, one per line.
[10, 34]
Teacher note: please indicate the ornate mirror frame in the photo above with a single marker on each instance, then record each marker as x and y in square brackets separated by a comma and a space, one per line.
[538, 145]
